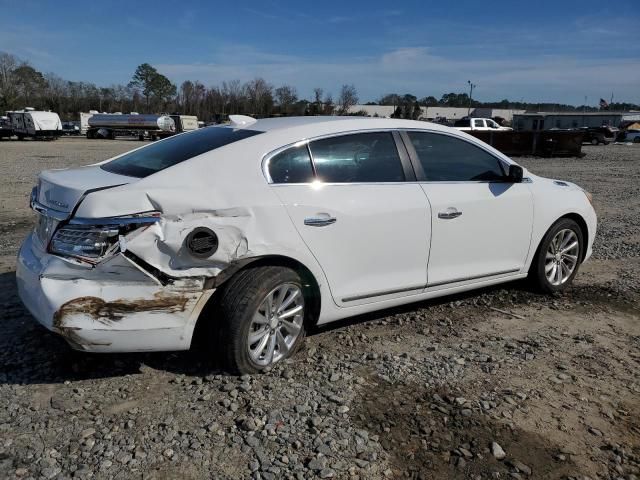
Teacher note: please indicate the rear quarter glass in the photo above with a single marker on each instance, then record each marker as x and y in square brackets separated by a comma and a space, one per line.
[155, 157]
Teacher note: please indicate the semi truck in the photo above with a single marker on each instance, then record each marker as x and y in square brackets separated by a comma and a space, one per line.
[36, 124]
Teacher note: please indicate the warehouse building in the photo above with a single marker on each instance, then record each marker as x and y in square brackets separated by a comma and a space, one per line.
[567, 120]
[432, 113]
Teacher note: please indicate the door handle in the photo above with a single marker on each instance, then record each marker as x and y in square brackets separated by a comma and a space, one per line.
[320, 221]
[449, 214]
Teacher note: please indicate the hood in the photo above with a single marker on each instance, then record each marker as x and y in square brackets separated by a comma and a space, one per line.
[61, 190]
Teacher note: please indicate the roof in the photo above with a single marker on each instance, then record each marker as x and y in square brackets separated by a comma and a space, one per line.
[331, 124]
[279, 123]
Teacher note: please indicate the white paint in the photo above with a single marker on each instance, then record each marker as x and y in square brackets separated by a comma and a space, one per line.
[491, 235]
[387, 246]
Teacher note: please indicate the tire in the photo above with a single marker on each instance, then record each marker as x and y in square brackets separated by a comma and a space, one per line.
[636, 140]
[240, 304]
[542, 264]
[594, 141]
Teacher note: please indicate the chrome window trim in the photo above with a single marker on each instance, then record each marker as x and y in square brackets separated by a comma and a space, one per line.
[410, 150]
[305, 141]
[411, 182]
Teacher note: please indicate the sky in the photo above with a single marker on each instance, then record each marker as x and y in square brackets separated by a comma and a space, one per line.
[539, 51]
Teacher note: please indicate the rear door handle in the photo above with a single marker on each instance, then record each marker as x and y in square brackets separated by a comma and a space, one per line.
[320, 221]
[449, 214]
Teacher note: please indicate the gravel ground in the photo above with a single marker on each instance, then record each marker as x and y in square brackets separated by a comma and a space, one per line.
[500, 383]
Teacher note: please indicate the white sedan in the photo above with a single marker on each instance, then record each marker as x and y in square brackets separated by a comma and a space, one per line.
[245, 235]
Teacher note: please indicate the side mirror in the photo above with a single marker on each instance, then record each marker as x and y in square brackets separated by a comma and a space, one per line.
[515, 174]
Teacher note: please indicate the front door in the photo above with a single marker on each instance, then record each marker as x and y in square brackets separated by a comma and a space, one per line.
[368, 228]
[481, 224]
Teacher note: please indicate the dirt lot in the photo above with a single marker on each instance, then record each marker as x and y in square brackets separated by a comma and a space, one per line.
[419, 392]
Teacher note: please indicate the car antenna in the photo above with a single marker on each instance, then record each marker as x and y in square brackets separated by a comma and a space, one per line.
[240, 121]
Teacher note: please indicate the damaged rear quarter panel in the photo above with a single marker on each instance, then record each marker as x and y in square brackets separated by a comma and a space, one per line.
[232, 198]
[223, 190]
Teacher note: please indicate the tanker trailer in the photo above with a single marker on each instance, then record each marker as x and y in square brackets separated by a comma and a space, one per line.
[105, 125]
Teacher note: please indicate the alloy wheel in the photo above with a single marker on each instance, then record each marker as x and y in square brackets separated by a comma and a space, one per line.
[276, 324]
[562, 257]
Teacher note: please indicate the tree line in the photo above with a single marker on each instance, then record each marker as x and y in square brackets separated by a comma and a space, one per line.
[149, 91]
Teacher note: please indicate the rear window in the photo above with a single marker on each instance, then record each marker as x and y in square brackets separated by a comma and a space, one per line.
[158, 156]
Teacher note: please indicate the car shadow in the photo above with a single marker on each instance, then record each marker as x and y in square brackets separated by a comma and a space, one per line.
[31, 354]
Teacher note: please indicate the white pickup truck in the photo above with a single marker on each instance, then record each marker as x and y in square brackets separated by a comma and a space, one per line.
[466, 124]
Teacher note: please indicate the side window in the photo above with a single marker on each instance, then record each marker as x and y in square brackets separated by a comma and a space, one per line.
[292, 165]
[478, 123]
[448, 159]
[361, 157]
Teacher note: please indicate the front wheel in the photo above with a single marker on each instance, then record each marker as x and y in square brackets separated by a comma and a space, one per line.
[262, 318]
[558, 257]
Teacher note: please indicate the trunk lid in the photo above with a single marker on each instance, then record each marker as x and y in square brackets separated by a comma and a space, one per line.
[61, 190]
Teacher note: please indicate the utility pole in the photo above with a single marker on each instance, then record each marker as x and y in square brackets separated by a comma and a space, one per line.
[471, 87]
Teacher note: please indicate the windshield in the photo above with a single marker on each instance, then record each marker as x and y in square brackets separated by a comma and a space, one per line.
[149, 160]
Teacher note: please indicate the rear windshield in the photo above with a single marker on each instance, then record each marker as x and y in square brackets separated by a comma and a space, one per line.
[158, 156]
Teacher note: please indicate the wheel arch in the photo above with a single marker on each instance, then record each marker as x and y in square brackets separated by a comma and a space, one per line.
[584, 229]
[312, 289]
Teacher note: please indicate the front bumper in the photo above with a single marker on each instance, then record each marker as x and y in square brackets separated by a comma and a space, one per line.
[114, 307]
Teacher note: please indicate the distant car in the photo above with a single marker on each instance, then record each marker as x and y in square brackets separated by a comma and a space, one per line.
[70, 128]
[631, 135]
[245, 235]
[481, 124]
[600, 135]
[6, 131]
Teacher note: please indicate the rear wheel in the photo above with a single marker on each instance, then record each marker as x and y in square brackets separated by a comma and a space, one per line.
[558, 257]
[636, 140]
[594, 141]
[262, 318]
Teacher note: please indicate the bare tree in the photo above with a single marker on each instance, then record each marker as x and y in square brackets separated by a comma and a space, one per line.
[316, 106]
[8, 92]
[328, 107]
[259, 95]
[232, 93]
[347, 99]
[286, 96]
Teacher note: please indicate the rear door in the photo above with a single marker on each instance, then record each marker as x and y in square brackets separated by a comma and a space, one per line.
[368, 227]
[481, 224]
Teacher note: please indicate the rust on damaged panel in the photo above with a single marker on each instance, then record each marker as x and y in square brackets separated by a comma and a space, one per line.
[113, 311]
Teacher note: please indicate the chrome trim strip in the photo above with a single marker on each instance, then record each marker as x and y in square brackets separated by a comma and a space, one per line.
[420, 287]
[124, 220]
[379, 294]
[386, 183]
[476, 277]
[48, 212]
